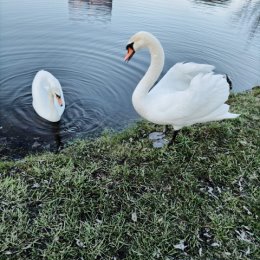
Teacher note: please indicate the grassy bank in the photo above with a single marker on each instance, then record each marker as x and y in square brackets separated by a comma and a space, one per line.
[118, 198]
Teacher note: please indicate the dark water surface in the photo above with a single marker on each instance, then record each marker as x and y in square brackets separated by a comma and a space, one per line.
[82, 43]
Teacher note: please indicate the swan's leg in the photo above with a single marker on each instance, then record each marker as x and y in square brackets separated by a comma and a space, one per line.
[175, 132]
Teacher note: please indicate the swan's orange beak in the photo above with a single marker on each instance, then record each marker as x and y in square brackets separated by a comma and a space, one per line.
[129, 55]
[59, 101]
[130, 52]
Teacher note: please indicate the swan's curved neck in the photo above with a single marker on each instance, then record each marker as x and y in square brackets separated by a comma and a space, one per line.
[153, 72]
[51, 99]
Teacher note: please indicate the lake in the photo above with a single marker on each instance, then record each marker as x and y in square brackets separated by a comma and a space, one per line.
[82, 43]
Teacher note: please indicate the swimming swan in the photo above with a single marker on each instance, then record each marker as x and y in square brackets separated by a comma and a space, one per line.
[48, 100]
[189, 93]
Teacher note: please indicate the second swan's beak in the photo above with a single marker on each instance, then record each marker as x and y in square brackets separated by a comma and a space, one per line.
[59, 99]
[130, 51]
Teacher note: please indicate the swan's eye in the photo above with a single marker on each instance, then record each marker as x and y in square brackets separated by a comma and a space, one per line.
[59, 100]
[130, 45]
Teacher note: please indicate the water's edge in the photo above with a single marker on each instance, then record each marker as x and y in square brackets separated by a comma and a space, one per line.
[17, 152]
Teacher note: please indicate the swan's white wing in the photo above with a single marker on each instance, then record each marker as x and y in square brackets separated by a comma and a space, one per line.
[205, 94]
[180, 75]
[191, 69]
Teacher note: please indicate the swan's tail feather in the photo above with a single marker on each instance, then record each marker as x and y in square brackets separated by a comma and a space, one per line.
[219, 114]
[228, 116]
[222, 113]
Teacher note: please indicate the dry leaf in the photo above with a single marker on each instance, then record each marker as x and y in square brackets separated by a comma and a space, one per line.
[180, 246]
[134, 216]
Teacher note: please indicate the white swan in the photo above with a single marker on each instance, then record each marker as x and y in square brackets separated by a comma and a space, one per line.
[189, 93]
[48, 99]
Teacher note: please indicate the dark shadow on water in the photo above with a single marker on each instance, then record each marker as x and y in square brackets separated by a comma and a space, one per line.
[17, 147]
[90, 10]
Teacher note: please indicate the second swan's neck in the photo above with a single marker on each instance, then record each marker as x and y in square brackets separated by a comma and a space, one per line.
[53, 113]
[152, 74]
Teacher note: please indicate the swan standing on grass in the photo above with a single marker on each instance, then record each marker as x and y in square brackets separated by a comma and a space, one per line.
[189, 93]
[48, 100]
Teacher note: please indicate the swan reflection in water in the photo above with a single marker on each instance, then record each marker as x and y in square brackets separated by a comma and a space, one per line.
[58, 144]
[50, 141]
[213, 2]
[248, 15]
[245, 13]
[90, 10]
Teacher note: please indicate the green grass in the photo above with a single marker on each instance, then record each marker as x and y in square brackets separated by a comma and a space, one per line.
[116, 197]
